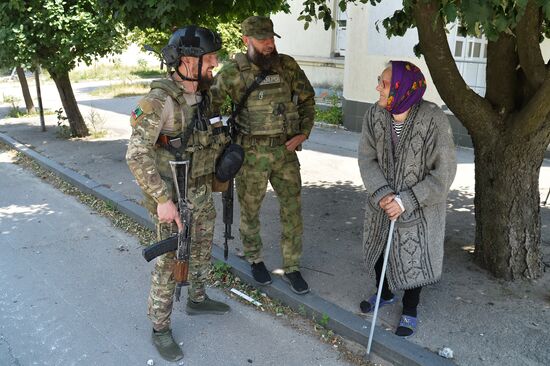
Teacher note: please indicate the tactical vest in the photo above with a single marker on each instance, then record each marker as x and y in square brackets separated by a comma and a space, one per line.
[200, 144]
[270, 109]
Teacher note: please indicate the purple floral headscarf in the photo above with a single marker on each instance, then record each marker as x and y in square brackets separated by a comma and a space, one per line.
[407, 87]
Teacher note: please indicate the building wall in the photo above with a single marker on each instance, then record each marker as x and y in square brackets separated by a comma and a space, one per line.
[295, 41]
[545, 48]
[312, 48]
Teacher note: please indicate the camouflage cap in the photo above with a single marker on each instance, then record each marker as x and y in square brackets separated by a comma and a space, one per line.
[258, 27]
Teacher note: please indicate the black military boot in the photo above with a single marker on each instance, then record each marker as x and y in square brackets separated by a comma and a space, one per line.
[260, 273]
[166, 346]
[296, 282]
[208, 306]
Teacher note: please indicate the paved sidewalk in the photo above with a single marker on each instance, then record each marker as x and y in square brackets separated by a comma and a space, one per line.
[484, 320]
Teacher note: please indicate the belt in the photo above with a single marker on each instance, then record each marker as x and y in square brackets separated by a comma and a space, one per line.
[271, 141]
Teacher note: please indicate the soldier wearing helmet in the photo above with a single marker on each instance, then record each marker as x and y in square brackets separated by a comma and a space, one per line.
[172, 123]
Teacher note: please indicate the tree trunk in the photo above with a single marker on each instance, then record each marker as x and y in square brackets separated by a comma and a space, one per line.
[76, 122]
[25, 89]
[507, 204]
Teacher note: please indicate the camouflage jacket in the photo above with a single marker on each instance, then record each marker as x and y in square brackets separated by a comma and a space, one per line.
[159, 113]
[283, 103]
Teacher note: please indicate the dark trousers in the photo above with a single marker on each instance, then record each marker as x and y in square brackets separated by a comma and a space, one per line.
[411, 298]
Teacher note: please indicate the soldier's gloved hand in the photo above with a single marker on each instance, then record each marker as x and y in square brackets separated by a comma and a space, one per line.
[167, 212]
[294, 142]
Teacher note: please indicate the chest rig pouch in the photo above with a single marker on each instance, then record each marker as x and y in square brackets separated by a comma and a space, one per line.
[270, 109]
[197, 138]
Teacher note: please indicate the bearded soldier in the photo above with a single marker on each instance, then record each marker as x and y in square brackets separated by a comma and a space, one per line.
[171, 123]
[276, 113]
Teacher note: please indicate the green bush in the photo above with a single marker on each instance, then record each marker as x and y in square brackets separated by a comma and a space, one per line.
[333, 114]
[63, 131]
[227, 107]
[14, 112]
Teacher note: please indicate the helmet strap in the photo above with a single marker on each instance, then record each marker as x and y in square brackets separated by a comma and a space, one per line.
[199, 75]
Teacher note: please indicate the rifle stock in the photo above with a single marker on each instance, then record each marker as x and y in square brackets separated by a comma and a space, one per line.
[181, 272]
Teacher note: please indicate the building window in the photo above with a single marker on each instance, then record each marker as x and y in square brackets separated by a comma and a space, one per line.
[341, 20]
[470, 54]
[458, 48]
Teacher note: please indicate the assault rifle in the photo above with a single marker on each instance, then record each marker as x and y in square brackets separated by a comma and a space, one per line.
[227, 199]
[170, 244]
[180, 242]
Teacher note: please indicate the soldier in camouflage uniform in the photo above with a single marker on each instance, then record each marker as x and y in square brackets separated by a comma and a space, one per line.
[275, 120]
[170, 123]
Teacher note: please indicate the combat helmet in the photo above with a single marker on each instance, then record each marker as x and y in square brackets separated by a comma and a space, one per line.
[191, 41]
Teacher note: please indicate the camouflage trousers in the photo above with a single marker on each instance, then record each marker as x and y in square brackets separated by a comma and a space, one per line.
[160, 300]
[282, 169]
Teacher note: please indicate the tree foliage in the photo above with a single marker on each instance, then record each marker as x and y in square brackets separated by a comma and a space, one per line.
[165, 15]
[58, 34]
[476, 17]
[157, 39]
[154, 21]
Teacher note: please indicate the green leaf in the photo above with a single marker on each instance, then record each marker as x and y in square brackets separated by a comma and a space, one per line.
[343, 5]
[545, 4]
[451, 12]
[500, 23]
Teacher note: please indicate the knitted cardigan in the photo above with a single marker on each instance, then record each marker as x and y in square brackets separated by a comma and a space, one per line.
[421, 169]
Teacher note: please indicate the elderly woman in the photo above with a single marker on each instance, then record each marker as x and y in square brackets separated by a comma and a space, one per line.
[407, 162]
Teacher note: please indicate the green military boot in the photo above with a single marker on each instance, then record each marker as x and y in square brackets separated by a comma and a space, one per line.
[166, 346]
[208, 306]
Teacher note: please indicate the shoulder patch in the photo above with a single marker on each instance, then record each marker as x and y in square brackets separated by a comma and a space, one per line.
[137, 112]
[143, 108]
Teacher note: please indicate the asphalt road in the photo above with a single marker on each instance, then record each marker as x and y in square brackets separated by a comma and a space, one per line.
[68, 296]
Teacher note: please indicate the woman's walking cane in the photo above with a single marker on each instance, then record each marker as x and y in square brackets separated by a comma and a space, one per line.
[379, 293]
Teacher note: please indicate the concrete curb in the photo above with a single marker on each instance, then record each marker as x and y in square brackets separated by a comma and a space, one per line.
[385, 344]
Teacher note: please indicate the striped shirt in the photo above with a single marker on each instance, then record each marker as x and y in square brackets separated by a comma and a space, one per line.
[397, 127]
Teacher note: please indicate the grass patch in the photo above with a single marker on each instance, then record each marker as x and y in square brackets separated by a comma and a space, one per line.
[333, 114]
[122, 90]
[20, 113]
[98, 134]
[149, 73]
[16, 112]
[96, 122]
[113, 71]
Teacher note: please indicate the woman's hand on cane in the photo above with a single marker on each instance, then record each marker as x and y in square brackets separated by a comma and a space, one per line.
[391, 207]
